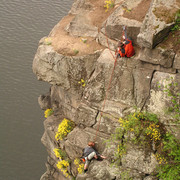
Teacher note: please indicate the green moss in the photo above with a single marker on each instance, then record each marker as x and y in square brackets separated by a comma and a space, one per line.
[165, 14]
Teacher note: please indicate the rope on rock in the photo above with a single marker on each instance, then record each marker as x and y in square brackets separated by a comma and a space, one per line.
[109, 85]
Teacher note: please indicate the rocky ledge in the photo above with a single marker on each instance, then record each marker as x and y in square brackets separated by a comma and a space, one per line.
[81, 48]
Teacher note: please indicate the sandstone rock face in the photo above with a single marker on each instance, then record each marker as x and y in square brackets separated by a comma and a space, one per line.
[163, 57]
[157, 23]
[137, 159]
[158, 99]
[96, 89]
[176, 64]
[115, 22]
[81, 26]
[44, 102]
[54, 68]
[79, 6]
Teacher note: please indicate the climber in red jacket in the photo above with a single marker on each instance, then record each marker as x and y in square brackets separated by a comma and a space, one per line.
[125, 48]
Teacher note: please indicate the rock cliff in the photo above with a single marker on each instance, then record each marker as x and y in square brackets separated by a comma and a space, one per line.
[77, 60]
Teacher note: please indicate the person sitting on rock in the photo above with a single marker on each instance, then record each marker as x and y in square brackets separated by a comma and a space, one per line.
[125, 47]
[90, 153]
[120, 49]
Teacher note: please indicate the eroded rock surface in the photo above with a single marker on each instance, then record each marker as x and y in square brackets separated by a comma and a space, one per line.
[157, 23]
[95, 89]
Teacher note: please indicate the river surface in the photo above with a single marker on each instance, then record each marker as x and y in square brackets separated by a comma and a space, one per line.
[22, 24]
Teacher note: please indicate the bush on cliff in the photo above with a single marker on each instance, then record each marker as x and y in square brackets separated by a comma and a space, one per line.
[64, 128]
[145, 130]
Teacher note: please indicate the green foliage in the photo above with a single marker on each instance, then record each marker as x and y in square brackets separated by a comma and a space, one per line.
[48, 41]
[79, 165]
[65, 127]
[172, 91]
[75, 51]
[125, 175]
[108, 5]
[84, 40]
[136, 128]
[143, 128]
[48, 113]
[176, 27]
[171, 147]
[60, 153]
[141, 125]
[63, 166]
[82, 82]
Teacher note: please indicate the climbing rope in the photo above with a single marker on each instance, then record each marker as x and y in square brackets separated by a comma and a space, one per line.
[109, 85]
[103, 106]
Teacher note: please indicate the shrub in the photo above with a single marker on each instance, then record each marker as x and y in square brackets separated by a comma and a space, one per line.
[48, 113]
[109, 4]
[145, 130]
[59, 153]
[176, 27]
[75, 51]
[48, 41]
[171, 168]
[82, 82]
[172, 91]
[63, 166]
[64, 128]
[79, 165]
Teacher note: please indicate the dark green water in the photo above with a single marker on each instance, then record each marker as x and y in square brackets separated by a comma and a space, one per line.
[22, 24]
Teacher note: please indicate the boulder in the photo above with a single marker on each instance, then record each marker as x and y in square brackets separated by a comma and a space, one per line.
[116, 109]
[65, 71]
[104, 170]
[110, 88]
[158, 99]
[150, 178]
[107, 42]
[115, 22]
[80, 5]
[76, 142]
[106, 123]
[138, 159]
[156, 67]
[157, 23]
[130, 5]
[142, 84]
[50, 66]
[81, 26]
[44, 101]
[86, 115]
[176, 64]
[163, 57]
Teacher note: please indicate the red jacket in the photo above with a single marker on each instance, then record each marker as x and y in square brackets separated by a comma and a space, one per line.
[128, 49]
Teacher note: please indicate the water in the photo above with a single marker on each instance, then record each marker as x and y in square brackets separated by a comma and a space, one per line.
[22, 24]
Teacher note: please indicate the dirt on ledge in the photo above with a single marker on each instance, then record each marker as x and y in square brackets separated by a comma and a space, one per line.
[138, 13]
[68, 45]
